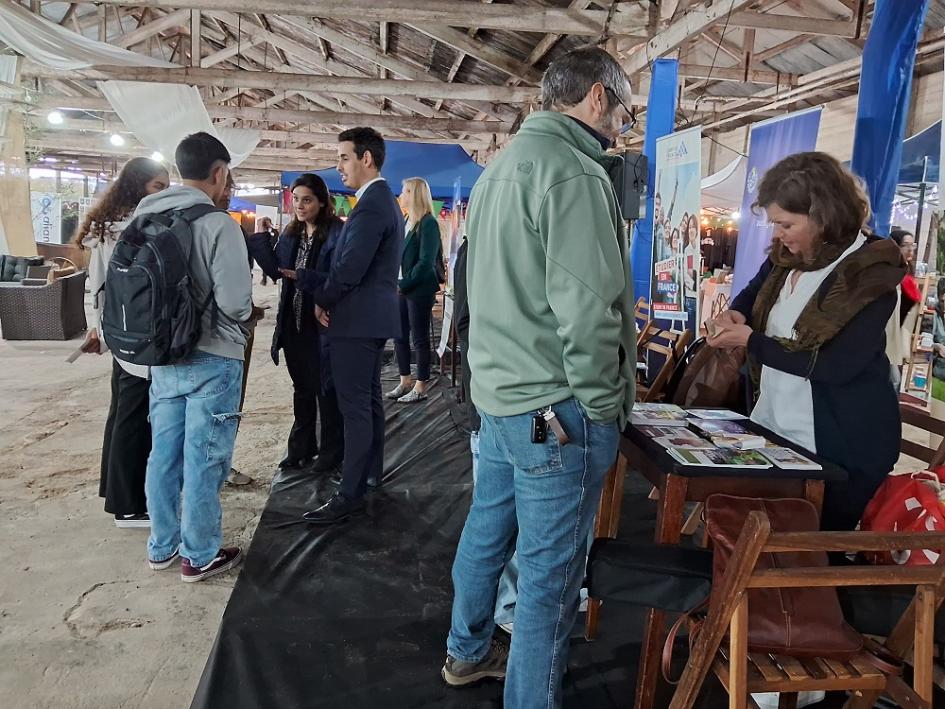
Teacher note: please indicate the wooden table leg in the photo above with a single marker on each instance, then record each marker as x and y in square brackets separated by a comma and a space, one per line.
[668, 531]
[814, 494]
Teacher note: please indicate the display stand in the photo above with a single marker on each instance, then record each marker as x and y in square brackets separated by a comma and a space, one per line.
[917, 382]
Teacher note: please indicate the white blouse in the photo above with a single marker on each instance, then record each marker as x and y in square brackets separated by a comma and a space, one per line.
[785, 404]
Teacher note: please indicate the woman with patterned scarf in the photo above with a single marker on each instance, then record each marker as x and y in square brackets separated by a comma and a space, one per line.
[813, 320]
[300, 251]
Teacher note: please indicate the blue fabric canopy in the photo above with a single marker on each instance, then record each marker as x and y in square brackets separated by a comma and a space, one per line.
[439, 165]
[923, 144]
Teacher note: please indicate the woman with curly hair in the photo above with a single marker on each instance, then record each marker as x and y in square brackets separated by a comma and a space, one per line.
[127, 431]
[814, 322]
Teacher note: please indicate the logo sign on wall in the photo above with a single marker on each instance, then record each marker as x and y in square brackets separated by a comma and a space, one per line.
[46, 208]
[676, 203]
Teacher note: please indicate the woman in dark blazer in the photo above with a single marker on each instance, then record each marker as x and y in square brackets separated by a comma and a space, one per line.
[302, 251]
[814, 321]
[420, 279]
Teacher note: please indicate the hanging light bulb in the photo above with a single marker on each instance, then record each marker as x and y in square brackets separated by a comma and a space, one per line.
[116, 139]
[736, 216]
[157, 156]
[55, 118]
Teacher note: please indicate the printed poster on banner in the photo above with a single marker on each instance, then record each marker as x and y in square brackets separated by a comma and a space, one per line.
[46, 208]
[676, 203]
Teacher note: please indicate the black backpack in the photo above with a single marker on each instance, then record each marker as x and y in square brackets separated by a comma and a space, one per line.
[150, 315]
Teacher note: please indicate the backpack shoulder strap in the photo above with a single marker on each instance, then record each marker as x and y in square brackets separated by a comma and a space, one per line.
[194, 212]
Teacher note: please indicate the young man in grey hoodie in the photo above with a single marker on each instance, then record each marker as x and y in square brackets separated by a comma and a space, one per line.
[195, 403]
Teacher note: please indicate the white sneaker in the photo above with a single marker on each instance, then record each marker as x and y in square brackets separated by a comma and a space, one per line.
[412, 397]
[141, 521]
[397, 392]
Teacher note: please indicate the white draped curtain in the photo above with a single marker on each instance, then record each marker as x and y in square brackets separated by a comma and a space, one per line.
[159, 115]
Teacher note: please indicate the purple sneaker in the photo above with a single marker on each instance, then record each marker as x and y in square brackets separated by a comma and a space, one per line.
[226, 559]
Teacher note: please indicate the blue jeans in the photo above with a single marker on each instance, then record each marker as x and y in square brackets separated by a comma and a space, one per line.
[508, 583]
[546, 494]
[194, 416]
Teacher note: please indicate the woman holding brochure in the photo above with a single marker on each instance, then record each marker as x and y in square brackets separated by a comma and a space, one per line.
[813, 320]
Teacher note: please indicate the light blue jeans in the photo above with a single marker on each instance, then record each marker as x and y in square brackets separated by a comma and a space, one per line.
[508, 582]
[542, 497]
[194, 416]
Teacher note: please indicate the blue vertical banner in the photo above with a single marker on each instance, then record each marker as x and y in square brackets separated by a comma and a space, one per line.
[885, 88]
[770, 142]
[660, 118]
[677, 203]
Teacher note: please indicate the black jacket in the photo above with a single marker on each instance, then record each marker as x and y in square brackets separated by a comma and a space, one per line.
[856, 409]
[461, 314]
[360, 288]
[286, 249]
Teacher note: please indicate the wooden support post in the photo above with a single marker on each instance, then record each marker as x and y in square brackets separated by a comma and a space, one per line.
[924, 641]
[738, 656]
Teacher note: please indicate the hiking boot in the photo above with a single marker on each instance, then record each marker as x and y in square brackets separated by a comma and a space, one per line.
[457, 673]
[141, 521]
[166, 563]
[225, 560]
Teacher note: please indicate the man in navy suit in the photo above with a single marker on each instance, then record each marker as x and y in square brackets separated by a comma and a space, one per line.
[357, 301]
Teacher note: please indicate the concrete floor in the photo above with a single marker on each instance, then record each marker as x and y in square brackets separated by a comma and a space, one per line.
[83, 621]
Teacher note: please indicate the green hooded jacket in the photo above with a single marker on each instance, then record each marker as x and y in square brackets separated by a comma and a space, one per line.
[550, 290]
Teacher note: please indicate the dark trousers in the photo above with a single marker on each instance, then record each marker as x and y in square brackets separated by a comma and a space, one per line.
[302, 352]
[356, 370]
[415, 314]
[126, 446]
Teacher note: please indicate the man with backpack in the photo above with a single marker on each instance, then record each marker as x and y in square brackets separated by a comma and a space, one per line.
[195, 399]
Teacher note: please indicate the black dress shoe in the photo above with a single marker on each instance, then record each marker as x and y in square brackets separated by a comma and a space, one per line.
[324, 464]
[337, 509]
[372, 482]
[294, 463]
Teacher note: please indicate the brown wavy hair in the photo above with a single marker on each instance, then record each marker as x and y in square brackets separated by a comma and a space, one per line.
[817, 185]
[121, 198]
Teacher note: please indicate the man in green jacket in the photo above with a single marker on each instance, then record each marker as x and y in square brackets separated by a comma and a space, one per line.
[551, 350]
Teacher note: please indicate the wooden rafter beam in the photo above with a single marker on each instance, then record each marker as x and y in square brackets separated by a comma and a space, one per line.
[791, 23]
[229, 52]
[174, 19]
[479, 50]
[777, 49]
[196, 35]
[719, 73]
[370, 53]
[627, 21]
[716, 40]
[294, 116]
[689, 25]
[319, 139]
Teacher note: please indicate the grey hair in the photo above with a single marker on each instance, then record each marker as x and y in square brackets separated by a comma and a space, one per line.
[568, 78]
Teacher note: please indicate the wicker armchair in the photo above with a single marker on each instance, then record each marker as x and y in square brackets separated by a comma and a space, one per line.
[53, 311]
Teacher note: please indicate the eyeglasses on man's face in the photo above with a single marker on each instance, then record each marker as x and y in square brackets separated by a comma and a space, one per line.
[632, 118]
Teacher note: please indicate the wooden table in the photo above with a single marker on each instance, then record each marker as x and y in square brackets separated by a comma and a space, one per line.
[678, 484]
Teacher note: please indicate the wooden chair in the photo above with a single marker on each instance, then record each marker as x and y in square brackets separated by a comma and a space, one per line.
[663, 343]
[923, 420]
[743, 673]
[641, 311]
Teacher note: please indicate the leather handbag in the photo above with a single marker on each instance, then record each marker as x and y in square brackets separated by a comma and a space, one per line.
[709, 377]
[801, 622]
